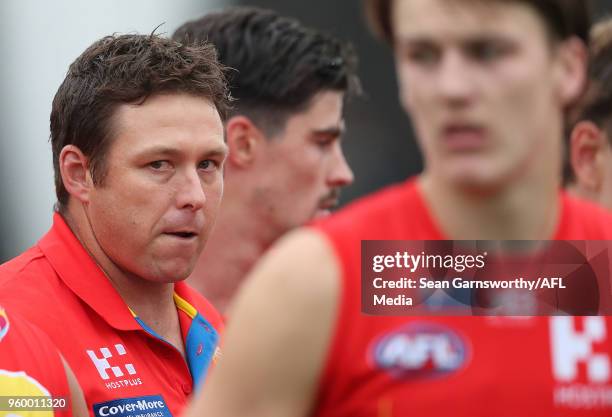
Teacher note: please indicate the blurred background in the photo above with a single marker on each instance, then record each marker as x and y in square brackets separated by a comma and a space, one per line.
[39, 40]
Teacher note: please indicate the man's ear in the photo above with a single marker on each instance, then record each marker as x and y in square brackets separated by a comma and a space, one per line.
[572, 66]
[244, 141]
[74, 169]
[587, 141]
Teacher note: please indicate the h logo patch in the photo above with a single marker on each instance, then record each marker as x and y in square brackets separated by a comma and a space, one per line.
[570, 348]
[102, 364]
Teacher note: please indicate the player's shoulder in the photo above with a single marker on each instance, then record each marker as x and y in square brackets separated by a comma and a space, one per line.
[585, 220]
[303, 262]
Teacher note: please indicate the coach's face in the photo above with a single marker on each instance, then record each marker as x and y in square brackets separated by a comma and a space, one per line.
[153, 211]
[485, 87]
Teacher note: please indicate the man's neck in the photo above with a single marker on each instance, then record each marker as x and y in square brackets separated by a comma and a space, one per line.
[526, 211]
[237, 241]
[153, 302]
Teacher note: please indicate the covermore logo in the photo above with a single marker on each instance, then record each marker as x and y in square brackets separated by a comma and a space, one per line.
[147, 406]
[104, 361]
[581, 362]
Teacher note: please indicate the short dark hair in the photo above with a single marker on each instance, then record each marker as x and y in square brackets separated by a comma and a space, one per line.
[122, 69]
[279, 64]
[564, 18]
[596, 104]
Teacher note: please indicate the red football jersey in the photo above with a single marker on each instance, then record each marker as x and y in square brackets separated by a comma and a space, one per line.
[124, 368]
[30, 366]
[458, 366]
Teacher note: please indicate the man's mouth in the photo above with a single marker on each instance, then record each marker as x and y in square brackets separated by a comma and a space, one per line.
[182, 234]
[328, 204]
[325, 208]
[330, 200]
[463, 137]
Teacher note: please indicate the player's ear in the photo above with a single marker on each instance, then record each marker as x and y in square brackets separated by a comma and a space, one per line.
[243, 140]
[587, 143]
[570, 74]
[75, 173]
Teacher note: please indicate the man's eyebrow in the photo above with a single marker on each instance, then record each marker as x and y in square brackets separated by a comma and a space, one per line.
[220, 150]
[413, 40]
[161, 150]
[331, 130]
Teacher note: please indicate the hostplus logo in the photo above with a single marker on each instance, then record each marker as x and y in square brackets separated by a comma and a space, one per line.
[111, 369]
[580, 348]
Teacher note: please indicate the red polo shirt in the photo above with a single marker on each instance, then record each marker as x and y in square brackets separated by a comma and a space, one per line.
[124, 368]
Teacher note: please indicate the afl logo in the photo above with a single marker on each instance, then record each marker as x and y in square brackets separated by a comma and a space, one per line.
[4, 323]
[421, 350]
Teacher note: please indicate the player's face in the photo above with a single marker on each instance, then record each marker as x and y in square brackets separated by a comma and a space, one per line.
[156, 206]
[479, 79]
[303, 168]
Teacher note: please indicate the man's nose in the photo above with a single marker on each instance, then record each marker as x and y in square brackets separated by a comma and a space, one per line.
[191, 193]
[455, 79]
[341, 173]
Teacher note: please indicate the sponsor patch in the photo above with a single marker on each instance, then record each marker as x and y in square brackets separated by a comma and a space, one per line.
[581, 364]
[420, 350]
[104, 366]
[146, 406]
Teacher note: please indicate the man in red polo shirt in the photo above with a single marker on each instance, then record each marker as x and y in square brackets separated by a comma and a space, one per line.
[138, 152]
[486, 84]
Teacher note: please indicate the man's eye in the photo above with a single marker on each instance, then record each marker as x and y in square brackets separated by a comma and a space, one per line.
[486, 51]
[159, 165]
[423, 56]
[324, 143]
[208, 165]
